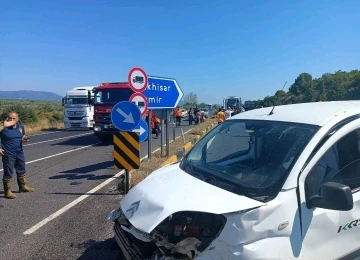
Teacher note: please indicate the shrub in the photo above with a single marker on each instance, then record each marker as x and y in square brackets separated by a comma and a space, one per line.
[26, 115]
[58, 117]
[46, 108]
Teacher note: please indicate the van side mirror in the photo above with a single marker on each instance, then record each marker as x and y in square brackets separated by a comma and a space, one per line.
[334, 196]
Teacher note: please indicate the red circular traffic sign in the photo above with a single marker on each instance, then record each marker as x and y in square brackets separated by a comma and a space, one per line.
[138, 80]
[140, 100]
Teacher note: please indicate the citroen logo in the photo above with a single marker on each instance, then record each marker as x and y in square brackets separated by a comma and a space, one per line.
[133, 208]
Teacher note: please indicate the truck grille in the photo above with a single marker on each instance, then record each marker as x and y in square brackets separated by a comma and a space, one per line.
[75, 118]
[104, 116]
[76, 113]
[75, 125]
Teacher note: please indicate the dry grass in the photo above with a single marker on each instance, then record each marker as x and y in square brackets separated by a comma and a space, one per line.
[148, 167]
[41, 125]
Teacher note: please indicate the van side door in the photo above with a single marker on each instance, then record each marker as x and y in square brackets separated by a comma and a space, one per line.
[332, 234]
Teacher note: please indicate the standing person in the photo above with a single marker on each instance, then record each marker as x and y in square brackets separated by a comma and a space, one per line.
[220, 116]
[197, 115]
[228, 113]
[12, 137]
[155, 125]
[178, 114]
[174, 116]
[191, 116]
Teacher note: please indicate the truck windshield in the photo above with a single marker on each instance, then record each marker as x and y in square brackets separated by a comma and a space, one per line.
[248, 157]
[112, 96]
[233, 103]
[76, 100]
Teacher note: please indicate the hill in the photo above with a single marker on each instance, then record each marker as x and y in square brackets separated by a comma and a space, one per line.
[30, 95]
[340, 85]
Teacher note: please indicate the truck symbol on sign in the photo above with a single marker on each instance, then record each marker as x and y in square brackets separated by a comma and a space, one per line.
[139, 103]
[138, 79]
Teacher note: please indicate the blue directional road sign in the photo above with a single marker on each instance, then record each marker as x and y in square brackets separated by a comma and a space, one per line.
[125, 116]
[143, 128]
[162, 93]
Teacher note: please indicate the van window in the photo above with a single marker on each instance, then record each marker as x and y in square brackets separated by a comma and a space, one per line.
[341, 164]
[248, 157]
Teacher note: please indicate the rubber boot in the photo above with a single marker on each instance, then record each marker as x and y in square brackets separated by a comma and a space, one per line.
[7, 190]
[21, 180]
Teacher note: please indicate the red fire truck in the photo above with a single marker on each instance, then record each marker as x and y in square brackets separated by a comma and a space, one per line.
[105, 97]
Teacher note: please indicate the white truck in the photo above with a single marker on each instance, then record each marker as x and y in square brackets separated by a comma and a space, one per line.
[271, 183]
[78, 114]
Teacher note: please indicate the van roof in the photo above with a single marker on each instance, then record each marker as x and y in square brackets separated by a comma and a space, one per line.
[314, 113]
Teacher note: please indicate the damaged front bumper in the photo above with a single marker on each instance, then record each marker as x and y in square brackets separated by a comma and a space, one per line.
[170, 240]
[127, 247]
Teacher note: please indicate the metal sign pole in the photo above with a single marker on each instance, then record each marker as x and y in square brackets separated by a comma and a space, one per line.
[127, 181]
[149, 136]
[168, 133]
[162, 138]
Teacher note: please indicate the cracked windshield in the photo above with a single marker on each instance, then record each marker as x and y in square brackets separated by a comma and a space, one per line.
[172, 130]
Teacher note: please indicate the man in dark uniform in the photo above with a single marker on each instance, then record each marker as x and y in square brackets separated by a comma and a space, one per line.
[12, 137]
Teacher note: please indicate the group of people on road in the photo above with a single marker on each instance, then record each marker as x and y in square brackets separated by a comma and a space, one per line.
[12, 137]
[196, 116]
[223, 114]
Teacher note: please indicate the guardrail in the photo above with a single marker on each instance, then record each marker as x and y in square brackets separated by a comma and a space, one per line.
[187, 146]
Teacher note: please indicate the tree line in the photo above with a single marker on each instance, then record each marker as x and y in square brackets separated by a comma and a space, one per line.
[31, 112]
[340, 85]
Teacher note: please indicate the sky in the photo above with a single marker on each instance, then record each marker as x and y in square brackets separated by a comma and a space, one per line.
[212, 48]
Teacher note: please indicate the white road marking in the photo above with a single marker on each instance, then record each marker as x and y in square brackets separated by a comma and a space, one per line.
[81, 198]
[47, 133]
[73, 203]
[70, 136]
[50, 156]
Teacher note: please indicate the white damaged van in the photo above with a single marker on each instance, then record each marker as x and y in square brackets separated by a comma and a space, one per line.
[264, 184]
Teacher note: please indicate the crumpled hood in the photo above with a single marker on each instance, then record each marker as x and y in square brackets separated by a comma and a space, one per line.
[170, 190]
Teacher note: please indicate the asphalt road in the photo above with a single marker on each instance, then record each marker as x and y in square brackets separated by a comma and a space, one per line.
[65, 218]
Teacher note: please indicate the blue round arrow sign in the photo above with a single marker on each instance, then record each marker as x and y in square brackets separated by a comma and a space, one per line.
[143, 128]
[125, 116]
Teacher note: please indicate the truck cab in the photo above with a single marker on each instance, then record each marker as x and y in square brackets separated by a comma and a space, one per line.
[78, 113]
[106, 95]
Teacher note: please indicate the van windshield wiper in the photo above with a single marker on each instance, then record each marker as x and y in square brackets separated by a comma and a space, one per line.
[237, 188]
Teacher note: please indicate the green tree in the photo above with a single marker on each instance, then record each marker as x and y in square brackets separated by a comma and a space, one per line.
[202, 105]
[340, 85]
[191, 99]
